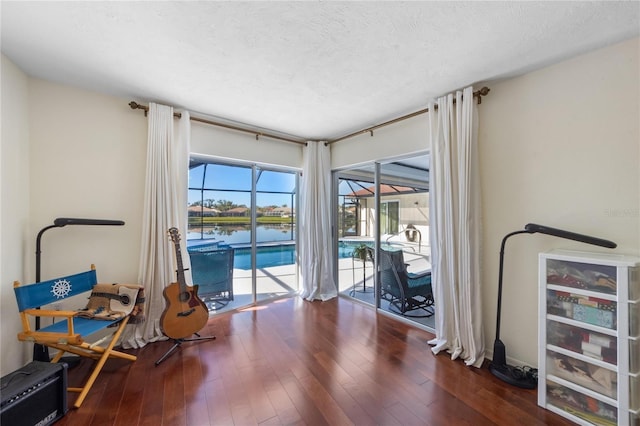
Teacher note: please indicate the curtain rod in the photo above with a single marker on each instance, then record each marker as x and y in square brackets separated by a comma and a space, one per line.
[477, 94]
[135, 105]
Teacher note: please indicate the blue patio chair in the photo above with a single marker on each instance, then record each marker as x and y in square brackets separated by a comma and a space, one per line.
[212, 271]
[406, 292]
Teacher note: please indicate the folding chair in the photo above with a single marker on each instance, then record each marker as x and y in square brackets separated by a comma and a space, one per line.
[109, 306]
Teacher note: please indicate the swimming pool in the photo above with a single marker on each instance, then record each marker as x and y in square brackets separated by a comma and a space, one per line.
[270, 255]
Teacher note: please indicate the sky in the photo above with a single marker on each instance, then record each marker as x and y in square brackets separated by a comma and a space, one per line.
[233, 183]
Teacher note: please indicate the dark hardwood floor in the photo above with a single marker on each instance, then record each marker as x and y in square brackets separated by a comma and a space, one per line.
[295, 362]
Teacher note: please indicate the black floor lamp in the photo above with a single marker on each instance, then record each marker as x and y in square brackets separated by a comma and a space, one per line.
[499, 366]
[40, 352]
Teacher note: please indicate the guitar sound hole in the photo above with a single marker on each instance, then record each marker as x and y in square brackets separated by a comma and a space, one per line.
[184, 296]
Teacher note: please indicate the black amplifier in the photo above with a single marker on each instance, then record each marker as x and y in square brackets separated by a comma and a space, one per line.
[36, 394]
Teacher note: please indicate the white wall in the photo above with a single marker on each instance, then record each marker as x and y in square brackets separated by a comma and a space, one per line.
[228, 144]
[405, 137]
[88, 159]
[559, 147]
[14, 208]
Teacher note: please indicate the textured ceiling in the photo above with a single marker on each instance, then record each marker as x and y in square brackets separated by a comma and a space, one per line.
[315, 70]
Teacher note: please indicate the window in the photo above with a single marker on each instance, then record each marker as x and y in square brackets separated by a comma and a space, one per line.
[389, 217]
[219, 200]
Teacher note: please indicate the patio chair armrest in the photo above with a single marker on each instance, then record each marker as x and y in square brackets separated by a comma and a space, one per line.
[419, 275]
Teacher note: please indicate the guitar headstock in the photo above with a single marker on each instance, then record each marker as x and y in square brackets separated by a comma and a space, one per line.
[174, 234]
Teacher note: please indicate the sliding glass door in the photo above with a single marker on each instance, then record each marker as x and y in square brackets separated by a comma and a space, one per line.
[383, 208]
[242, 232]
[276, 272]
[356, 225]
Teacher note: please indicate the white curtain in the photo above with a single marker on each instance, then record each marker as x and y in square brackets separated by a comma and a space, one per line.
[455, 227]
[165, 202]
[316, 261]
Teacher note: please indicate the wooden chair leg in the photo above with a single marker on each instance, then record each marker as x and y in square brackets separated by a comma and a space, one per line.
[58, 356]
[94, 375]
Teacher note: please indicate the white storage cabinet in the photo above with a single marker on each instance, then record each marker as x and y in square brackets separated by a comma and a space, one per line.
[589, 337]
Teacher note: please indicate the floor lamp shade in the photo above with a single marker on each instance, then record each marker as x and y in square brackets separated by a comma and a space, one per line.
[533, 228]
[499, 366]
[64, 221]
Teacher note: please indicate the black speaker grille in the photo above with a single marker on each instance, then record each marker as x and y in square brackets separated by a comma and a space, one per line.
[34, 395]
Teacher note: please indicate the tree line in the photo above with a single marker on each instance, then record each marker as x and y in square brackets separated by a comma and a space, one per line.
[224, 205]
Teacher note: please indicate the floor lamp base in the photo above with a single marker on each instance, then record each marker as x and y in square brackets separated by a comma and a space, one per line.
[513, 376]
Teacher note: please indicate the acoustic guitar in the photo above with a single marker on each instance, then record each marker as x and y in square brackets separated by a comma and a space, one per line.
[185, 314]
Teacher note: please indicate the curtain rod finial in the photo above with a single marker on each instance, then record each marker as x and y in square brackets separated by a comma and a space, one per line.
[482, 92]
[133, 105]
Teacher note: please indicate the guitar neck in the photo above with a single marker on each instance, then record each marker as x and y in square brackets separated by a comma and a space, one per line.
[180, 271]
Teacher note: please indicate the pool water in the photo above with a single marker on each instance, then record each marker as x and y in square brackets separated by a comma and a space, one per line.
[269, 256]
[266, 257]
